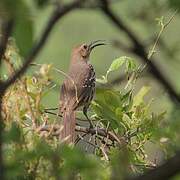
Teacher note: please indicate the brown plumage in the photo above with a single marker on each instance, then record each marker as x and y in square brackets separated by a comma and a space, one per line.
[78, 89]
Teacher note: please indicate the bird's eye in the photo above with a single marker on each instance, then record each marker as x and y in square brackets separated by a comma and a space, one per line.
[85, 46]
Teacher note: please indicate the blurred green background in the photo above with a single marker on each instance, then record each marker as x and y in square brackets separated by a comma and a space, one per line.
[85, 25]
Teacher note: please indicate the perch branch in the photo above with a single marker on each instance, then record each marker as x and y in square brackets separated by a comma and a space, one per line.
[99, 131]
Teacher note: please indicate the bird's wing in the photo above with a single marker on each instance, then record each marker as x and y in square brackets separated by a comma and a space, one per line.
[86, 87]
[79, 88]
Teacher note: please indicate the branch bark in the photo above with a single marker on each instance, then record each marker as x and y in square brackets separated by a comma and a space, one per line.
[99, 131]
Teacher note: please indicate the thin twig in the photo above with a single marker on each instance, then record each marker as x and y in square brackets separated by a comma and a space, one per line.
[163, 27]
[88, 142]
[78, 138]
[139, 49]
[64, 74]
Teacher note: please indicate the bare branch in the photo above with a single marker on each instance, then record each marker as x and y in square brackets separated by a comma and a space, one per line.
[99, 131]
[56, 15]
[139, 50]
[163, 27]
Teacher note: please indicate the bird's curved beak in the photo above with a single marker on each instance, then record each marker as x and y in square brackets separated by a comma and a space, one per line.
[96, 43]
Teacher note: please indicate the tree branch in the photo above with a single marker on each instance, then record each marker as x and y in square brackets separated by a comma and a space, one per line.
[140, 51]
[165, 171]
[102, 132]
[99, 131]
[56, 15]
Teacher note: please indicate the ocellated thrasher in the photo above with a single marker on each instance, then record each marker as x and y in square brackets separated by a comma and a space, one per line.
[78, 89]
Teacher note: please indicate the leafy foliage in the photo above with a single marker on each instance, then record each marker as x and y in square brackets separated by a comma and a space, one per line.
[30, 152]
[116, 64]
[31, 147]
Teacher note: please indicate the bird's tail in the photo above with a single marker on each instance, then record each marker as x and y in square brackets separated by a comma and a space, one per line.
[67, 133]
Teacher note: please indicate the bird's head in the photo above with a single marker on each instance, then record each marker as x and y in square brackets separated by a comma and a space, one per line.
[83, 51]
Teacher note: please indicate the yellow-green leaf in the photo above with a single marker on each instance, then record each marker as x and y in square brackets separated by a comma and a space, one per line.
[139, 98]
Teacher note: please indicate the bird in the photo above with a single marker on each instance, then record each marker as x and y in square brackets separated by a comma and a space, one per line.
[78, 89]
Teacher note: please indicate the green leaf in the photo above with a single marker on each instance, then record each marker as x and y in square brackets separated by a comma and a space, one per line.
[108, 106]
[14, 134]
[160, 21]
[139, 98]
[130, 65]
[112, 98]
[116, 64]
